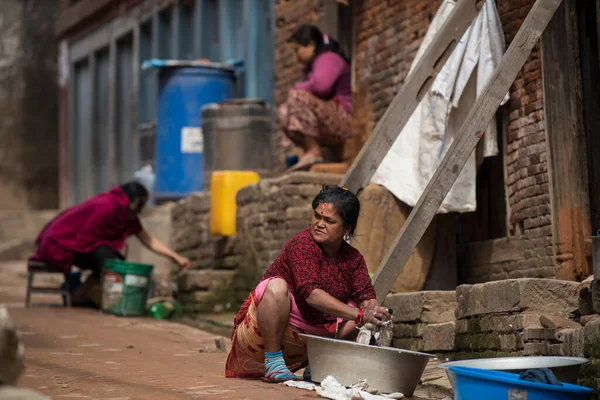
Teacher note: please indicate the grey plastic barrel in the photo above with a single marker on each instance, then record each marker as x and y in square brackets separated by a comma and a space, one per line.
[238, 136]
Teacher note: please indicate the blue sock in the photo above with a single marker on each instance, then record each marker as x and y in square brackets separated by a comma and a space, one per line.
[275, 368]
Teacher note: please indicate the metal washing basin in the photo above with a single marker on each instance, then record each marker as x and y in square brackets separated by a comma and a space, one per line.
[566, 369]
[386, 369]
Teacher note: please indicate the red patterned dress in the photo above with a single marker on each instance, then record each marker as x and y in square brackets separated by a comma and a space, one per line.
[305, 267]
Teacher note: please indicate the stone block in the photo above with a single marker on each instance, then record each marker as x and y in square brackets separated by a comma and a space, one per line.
[227, 263]
[199, 202]
[572, 342]
[315, 178]
[586, 304]
[438, 306]
[439, 337]
[407, 306]
[428, 306]
[478, 342]
[402, 330]
[592, 339]
[180, 208]
[462, 326]
[297, 226]
[511, 342]
[203, 280]
[535, 349]
[300, 213]
[556, 322]
[194, 297]
[595, 294]
[539, 334]
[588, 318]
[540, 295]
[509, 322]
[307, 191]
[408, 344]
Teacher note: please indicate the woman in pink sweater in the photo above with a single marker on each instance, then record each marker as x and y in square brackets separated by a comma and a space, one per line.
[318, 110]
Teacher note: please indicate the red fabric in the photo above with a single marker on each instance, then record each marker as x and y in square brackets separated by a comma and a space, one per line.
[305, 267]
[103, 220]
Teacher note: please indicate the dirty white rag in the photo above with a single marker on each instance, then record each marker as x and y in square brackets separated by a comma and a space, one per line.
[330, 388]
[419, 149]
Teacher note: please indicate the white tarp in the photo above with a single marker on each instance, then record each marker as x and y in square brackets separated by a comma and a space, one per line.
[415, 155]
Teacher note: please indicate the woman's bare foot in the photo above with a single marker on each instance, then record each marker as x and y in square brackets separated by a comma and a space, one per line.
[305, 162]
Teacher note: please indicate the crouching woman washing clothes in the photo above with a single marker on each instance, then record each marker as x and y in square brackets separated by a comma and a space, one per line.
[318, 110]
[318, 285]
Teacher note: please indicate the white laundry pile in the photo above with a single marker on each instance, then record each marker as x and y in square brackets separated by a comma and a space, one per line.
[330, 388]
[418, 150]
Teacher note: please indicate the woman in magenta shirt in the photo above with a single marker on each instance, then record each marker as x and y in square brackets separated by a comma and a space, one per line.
[94, 231]
[318, 110]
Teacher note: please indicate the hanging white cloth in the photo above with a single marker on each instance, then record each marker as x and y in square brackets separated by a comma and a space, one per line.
[414, 157]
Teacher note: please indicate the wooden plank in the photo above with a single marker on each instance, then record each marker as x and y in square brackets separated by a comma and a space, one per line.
[406, 101]
[566, 140]
[464, 144]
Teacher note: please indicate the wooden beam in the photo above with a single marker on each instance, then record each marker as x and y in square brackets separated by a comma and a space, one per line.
[598, 21]
[464, 144]
[566, 141]
[415, 87]
[78, 13]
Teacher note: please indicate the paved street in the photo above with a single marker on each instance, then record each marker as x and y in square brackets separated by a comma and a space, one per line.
[85, 354]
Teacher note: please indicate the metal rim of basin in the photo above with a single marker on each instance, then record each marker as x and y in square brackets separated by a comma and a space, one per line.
[518, 363]
[347, 342]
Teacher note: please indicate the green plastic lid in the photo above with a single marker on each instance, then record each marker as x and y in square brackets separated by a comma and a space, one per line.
[126, 267]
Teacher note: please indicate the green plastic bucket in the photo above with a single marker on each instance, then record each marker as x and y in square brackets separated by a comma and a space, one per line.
[125, 288]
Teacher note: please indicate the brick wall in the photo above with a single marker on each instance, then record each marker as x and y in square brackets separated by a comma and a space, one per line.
[388, 37]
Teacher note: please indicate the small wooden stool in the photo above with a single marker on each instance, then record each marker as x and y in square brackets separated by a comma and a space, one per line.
[41, 267]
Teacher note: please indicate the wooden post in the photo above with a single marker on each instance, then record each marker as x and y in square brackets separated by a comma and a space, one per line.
[472, 130]
[566, 142]
[415, 87]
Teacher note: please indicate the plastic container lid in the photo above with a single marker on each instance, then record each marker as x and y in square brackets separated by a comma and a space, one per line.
[125, 267]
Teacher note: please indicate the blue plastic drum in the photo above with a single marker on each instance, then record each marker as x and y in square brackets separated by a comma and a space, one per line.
[179, 140]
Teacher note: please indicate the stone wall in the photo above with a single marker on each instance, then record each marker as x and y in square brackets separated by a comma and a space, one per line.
[208, 285]
[28, 105]
[515, 317]
[274, 210]
[388, 37]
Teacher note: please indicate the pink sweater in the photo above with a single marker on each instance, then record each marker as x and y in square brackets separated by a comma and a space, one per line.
[329, 79]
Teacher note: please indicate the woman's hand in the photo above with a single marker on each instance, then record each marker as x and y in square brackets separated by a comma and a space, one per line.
[374, 314]
[183, 262]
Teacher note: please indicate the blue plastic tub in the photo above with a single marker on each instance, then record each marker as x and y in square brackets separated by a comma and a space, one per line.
[476, 384]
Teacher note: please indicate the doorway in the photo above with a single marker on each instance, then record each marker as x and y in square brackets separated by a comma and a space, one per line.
[587, 13]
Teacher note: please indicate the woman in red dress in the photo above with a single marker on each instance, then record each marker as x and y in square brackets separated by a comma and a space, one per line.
[318, 285]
